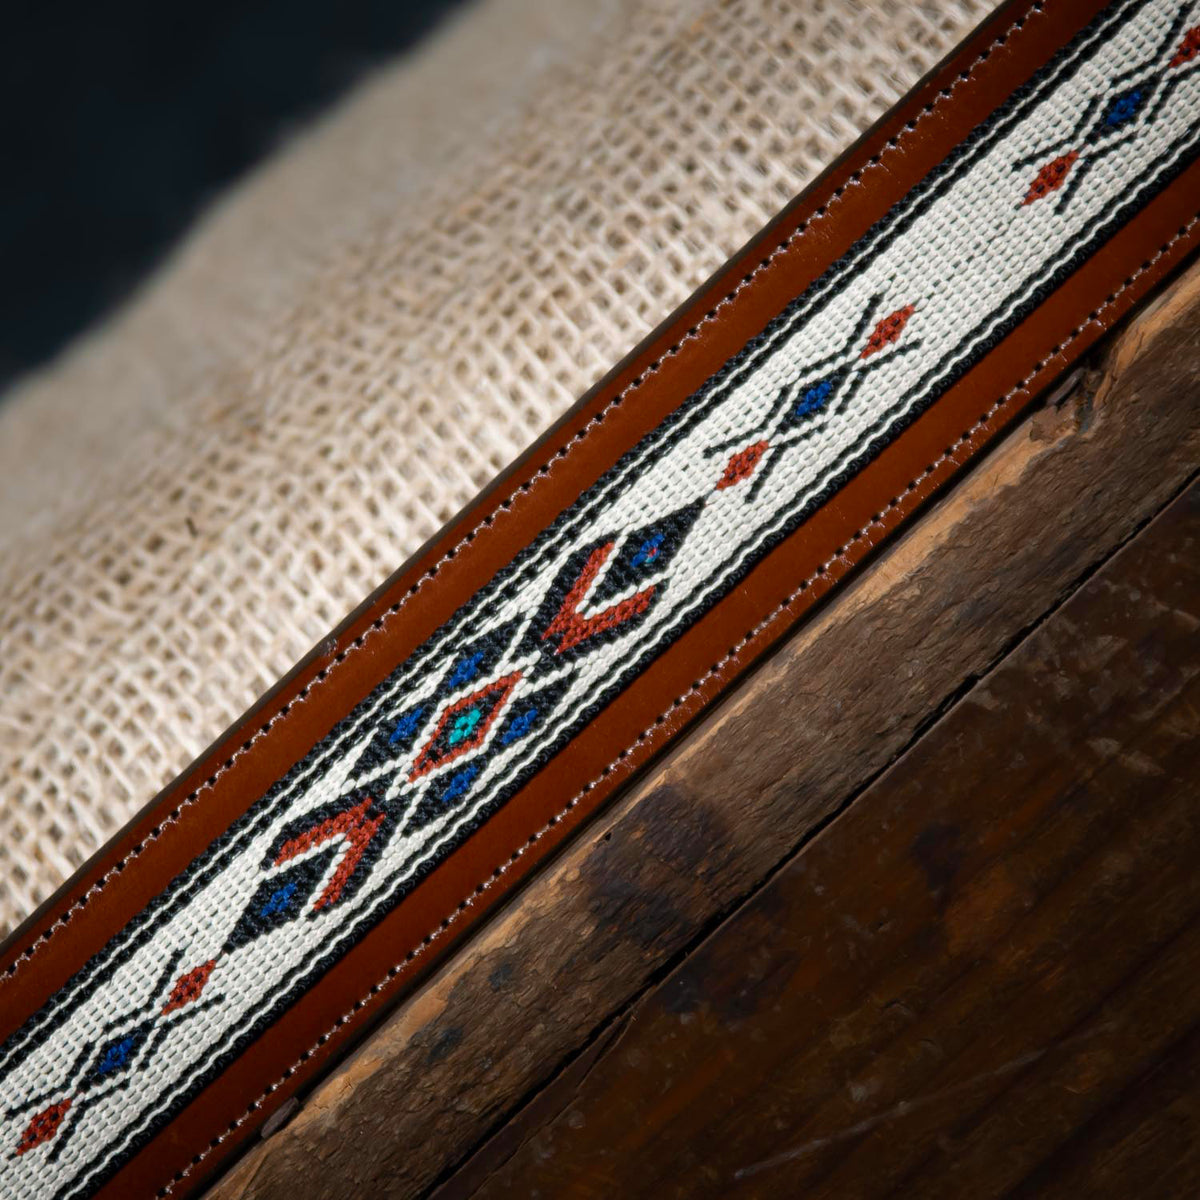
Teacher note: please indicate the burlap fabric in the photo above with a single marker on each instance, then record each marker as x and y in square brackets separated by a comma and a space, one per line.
[358, 337]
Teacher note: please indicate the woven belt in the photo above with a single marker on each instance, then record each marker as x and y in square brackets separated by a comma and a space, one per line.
[837, 374]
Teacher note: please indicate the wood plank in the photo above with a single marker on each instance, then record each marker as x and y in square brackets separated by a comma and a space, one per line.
[802, 738]
[971, 982]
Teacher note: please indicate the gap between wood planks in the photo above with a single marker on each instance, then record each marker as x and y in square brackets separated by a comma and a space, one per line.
[460, 1179]
[1039, 895]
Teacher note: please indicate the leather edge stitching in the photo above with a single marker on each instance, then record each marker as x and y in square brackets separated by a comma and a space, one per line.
[861, 535]
[855, 178]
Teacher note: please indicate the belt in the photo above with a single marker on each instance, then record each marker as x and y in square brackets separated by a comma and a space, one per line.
[827, 383]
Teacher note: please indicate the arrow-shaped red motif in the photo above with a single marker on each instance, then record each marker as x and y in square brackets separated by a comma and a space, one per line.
[575, 628]
[356, 826]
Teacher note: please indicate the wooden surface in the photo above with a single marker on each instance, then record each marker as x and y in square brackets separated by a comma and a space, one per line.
[982, 980]
[981, 752]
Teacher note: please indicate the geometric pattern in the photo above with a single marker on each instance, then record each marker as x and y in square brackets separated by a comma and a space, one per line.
[670, 529]
[105, 1064]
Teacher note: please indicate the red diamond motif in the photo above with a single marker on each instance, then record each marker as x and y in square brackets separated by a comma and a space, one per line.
[43, 1127]
[189, 986]
[464, 725]
[888, 330]
[1050, 178]
[742, 465]
[1188, 48]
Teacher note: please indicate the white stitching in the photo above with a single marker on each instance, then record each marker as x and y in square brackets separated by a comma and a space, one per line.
[860, 535]
[580, 435]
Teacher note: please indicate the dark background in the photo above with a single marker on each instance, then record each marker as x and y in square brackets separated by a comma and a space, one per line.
[119, 120]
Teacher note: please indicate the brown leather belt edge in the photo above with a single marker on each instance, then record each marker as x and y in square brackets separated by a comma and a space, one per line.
[757, 284]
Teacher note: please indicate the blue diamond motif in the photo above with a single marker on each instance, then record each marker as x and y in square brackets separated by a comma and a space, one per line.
[1123, 107]
[465, 670]
[813, 398]
[117, 1054]
[648, 551]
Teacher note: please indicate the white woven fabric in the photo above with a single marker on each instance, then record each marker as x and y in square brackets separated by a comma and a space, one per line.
[356, 339]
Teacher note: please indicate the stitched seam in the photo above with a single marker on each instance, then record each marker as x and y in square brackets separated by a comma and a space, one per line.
[580, 435]
[861, 535]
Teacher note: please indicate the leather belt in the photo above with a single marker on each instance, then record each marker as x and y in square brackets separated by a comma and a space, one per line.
[800, 408]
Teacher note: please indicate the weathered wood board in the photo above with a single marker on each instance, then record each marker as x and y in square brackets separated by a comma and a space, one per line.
[540, 992]
[981, 980]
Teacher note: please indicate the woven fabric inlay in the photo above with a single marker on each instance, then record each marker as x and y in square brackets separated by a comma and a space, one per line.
[270, 906]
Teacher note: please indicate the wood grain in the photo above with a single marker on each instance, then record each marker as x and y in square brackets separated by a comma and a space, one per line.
[538, 992]
[969, 984]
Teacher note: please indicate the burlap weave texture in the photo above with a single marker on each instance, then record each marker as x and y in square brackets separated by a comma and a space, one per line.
[358, 337]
